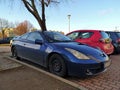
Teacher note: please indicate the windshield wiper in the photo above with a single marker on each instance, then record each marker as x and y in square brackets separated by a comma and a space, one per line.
[67, 41]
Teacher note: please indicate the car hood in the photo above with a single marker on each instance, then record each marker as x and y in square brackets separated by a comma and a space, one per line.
[85, 49]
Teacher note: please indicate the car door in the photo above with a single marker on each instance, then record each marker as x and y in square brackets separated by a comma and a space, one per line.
[20, 45]
[35, 52]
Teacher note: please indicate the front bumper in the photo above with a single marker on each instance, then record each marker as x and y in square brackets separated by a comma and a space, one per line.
[75, 69]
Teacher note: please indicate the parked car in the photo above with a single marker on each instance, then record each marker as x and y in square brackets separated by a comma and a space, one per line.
[59, 54]
[5, 40]
[115, 36]
[15, 37]
[95, 38]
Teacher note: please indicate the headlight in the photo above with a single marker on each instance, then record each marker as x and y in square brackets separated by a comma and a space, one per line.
[77, 54]
[107, 58]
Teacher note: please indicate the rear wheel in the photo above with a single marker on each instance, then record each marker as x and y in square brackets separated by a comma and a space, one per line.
[57, 65]
[14, 53]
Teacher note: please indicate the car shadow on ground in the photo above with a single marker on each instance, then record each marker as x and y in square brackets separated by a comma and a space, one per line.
[31, 63]
[46, 69]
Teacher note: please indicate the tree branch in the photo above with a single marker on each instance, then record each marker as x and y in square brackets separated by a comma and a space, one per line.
[28, 6]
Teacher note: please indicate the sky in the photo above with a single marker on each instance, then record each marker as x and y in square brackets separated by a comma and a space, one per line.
[85, 14]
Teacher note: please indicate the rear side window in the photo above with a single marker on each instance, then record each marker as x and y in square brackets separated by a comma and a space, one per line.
[34, 36]
[24, 36]
[104, 34]
[86, 34]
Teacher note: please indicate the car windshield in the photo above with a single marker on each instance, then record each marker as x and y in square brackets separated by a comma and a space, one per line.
[56, 37]
[104, 35]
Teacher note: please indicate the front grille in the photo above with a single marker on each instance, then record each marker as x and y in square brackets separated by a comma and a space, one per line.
[96, 69]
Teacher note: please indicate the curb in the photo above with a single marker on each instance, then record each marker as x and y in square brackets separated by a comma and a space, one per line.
[50, 74]
[5, 52]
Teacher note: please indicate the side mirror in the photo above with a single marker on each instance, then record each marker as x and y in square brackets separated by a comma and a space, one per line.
[37, 41]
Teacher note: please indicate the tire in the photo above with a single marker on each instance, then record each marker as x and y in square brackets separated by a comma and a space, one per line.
[57, 65]
[14, 53]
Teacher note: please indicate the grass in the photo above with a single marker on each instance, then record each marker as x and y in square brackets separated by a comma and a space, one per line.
[4, 44]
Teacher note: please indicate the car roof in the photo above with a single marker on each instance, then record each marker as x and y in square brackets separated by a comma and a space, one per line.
[85, 30]
[42, 31]
[113, 31]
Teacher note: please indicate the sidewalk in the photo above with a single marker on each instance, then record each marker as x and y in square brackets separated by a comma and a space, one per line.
[4, 49]
[8, 64]
[18, 76]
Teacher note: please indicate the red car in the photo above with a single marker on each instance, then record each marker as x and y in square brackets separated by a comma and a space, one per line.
[95, 38]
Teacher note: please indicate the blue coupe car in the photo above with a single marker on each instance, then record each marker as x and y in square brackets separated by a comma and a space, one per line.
[60, 54]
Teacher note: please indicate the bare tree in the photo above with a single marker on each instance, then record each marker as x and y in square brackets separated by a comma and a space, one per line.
[3, 24]
[23, 28]
[29, 25]
[33, 7]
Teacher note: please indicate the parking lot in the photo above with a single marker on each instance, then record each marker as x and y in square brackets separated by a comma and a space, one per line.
[16, 75]
[109, 80]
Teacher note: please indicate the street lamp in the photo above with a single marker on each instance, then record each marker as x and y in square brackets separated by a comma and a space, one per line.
[69, 22]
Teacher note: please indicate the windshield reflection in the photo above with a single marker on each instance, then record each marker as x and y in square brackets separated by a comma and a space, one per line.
[56, 37]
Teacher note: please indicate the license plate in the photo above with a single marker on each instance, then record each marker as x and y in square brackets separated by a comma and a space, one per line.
[109, 46]
[107, 64]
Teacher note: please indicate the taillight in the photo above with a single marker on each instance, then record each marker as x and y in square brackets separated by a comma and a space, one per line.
[118, 40]
[108, 40]
[102, 40]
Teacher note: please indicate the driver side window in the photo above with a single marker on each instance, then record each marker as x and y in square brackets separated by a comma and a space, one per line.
[73, 35]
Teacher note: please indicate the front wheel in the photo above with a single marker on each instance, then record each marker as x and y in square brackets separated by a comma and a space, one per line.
[57, 65]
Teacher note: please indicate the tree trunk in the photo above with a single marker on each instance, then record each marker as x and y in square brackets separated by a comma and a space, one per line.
[43, 16]
[33, 10]
[3, 32]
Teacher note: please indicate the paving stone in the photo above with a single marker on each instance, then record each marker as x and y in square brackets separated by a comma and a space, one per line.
[109, 80]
